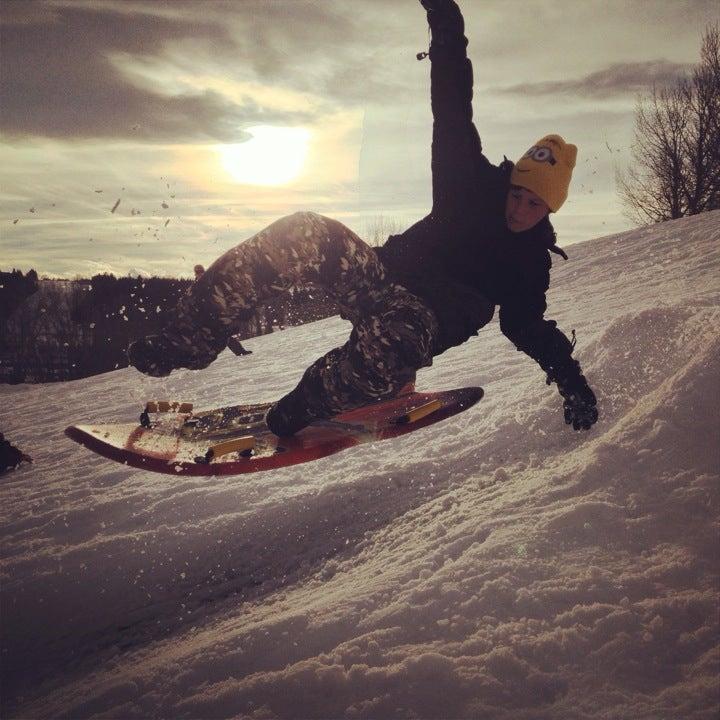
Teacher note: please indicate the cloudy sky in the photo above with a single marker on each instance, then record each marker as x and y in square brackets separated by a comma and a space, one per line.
[207, 120]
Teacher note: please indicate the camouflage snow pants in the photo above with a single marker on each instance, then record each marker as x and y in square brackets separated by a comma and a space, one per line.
[393, 331]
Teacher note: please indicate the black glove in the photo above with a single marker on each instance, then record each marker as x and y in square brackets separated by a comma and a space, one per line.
[438, 5]
[150, 356]
[445, 19]
[579, 403]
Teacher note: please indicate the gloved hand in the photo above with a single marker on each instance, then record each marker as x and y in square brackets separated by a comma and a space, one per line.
[150, 356]
[437, 5]
[579, 403]
[445, 19]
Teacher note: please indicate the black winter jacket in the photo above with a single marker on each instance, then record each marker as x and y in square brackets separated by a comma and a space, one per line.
[463, 270]
[462, 259]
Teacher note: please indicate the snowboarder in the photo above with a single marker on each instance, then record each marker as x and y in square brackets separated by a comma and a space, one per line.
[486, 243]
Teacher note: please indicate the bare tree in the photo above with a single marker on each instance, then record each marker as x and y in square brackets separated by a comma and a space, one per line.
[379, 227]
[675, 168]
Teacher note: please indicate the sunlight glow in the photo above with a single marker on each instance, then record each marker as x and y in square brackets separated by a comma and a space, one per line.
[273, 156]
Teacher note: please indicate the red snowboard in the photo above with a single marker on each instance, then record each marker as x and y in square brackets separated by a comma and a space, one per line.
[235, 440]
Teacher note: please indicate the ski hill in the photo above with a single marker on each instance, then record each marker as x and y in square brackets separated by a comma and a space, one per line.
[497, 565]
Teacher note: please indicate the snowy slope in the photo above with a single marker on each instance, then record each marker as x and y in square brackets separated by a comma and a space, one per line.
[497, 565]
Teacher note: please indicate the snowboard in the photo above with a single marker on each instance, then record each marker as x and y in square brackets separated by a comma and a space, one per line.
[172, 438]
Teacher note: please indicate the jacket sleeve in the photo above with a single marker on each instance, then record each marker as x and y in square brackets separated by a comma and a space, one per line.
[458, 164]
[522, 321]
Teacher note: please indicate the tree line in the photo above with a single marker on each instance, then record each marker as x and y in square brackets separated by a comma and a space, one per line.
[14, 288]
[60, 330]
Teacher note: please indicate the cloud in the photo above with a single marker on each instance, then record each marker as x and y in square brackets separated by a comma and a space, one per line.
[616, 80]
[27, 13]
[59, 79]
[70, 68]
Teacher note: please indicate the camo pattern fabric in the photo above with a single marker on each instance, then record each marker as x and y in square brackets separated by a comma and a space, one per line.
[393, 334]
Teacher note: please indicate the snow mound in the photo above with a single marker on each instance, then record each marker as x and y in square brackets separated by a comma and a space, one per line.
[497, 565]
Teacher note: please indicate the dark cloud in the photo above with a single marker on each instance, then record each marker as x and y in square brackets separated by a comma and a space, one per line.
[26, 12]
[279, 37]
[619, 79]
[337, 49]
[58, 80]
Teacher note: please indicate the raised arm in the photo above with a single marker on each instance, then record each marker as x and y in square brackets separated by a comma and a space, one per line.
[458, 164]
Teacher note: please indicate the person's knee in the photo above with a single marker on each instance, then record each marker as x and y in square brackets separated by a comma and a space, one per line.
[310, 229]
[300, 224]
[397, 341]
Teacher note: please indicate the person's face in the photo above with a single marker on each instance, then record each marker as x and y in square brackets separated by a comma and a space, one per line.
[523, 209]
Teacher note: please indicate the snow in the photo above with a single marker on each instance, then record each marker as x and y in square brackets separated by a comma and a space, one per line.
[496, 565]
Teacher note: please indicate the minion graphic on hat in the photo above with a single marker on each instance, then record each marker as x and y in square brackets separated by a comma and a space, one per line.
[546, 169]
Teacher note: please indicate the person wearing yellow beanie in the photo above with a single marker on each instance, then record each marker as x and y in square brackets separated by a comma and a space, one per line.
[485, 244]
[546, 169]
[539, 182]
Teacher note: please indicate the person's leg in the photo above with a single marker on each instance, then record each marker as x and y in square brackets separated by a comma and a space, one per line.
[387, 345]
[394, 332]
[300, 249]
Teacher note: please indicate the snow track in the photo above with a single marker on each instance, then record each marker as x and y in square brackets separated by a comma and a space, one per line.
[497, 565]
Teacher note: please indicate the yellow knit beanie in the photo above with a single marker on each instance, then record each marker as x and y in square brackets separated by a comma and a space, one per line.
[546, 169]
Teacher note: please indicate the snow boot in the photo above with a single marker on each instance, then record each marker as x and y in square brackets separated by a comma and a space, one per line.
[289, 415]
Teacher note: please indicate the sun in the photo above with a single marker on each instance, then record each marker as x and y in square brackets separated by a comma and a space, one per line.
[272, 156]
